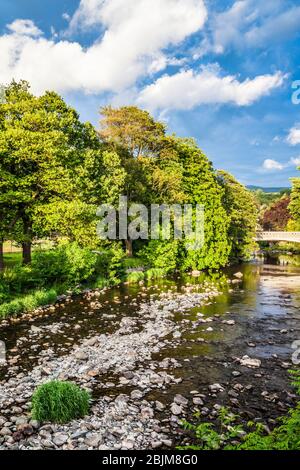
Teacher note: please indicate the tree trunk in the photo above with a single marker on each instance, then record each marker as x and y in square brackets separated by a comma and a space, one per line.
[27, 237]
[1, 256]
[128, 244]
[26, 252]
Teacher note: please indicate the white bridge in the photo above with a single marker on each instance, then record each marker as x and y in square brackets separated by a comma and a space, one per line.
[278, 237]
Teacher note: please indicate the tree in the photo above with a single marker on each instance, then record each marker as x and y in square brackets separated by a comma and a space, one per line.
[278, 215]
[140, 141]
[242, 212]
[201, 186]
[8, 217]
[132, 129]
[42, 143]
[294, 206]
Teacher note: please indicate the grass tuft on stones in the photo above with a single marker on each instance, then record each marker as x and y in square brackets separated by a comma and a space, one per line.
[59, 402]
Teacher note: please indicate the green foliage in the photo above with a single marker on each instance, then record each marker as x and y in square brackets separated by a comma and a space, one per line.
[160, 254]
[130, 263]
[17, 280]
[110, 263]
[28, 302]
[294, 206]
[201, 187]
[59, 402]
[155, 273]
[42, 144]
[266, 199]
[133, 129]
[135, 276]
[68, 263]
[56, 171]
[242, 212]
[207, 437]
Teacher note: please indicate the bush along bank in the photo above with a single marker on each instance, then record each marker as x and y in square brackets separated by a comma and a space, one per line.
[67, 269]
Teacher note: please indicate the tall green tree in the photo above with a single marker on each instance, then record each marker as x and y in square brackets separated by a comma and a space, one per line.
[294, 206]
[201, 186]
[242, 212]
[139, 140]
[42, 143]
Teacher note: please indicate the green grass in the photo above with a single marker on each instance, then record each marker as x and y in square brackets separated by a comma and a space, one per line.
[28, 302]
[135, 276]
[12, 259]
[155, 273]
[101, 282]
[59, 402]
[131, 263]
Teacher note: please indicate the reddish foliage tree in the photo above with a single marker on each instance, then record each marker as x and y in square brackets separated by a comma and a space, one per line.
[278, 215]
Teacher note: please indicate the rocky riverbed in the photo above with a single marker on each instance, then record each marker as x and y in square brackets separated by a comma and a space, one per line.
[151, 356]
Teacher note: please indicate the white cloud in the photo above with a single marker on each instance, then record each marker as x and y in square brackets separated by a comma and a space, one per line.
[275, 28]
[24, 28]
[65, 16]
[295, 161]
[250, 23]
[188, 89]
[294, 135]
[133, 37]
[272, 165]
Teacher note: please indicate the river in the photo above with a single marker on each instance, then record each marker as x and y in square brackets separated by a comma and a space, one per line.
[256, 315]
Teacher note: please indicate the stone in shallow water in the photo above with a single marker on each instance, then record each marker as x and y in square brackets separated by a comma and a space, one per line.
[159, 406]
[215, 388]
[239, 275]
[176, 334]
[250, 362]
[180, 400]
[176, 409]
[236, 373]
[198, 401]
[228, 322]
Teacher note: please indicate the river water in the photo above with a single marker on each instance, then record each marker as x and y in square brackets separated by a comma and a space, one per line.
[263, 311]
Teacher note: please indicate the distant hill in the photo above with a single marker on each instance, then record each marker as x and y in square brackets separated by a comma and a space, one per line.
[267, 190]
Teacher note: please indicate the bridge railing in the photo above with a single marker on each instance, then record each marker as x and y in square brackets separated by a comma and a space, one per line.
[284, 236]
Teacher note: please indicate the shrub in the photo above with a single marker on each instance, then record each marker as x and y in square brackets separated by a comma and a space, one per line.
[155, 273]
[131, 263]
[68, 263]
[135, 276]
[160, 254]
[16, 280]
[59, 402]
[28, 302]
[110, 264]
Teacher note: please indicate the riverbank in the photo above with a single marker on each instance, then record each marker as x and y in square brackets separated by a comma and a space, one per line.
[153, 355]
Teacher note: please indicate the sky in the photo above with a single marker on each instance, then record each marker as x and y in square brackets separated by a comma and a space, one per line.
[224, 72]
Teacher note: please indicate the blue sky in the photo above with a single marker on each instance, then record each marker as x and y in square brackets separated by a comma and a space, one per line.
[219, 71]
